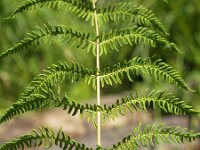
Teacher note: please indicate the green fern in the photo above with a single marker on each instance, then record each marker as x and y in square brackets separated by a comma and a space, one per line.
[159, 99]
[166, 102]
[151, 135]
[144, 29]
[50, 34]
[60, 33]
[44, 137]
[125, 11]
[42, 101]
[115, 39]
[157, 69]
[39, 93]
[57, 74]
[74, 6]
[134, 36]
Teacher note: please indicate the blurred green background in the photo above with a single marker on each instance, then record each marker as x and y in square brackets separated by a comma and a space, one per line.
[181, 18]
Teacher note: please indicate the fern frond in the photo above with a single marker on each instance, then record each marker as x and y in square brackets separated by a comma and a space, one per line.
[78, 7]
[49, 100]
[134, 36]
[157, 69]
[166, 102]
[57, 73]
[45, 137]
[138, 14]
[37, 94]
[29, 104]
[50, 34]
[155, 134]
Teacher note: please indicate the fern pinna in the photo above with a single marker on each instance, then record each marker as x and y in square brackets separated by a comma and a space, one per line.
[145, 29]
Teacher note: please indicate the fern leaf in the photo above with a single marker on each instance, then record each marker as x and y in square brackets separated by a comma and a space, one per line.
[50, 34]
[49, 100]
[152, 134]
[134, 36]
[39, 90]
[57, 74]
[125, 11]
[166, 102]
[45, 137]
[87, 111]
[82, 9]
[157, 69]
[30, 103]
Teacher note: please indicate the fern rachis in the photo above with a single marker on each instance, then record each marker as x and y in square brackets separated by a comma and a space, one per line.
[146, 29]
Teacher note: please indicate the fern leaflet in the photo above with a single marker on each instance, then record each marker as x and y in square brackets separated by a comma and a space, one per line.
[167, 102]
[157, 69]
[50, 34]
[30, 103]
[124, 11]
[134, 36]
[49, 100]
[154, 134]
[57, 74]
[78, 7]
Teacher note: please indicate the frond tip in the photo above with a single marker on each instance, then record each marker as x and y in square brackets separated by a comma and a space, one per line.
[44, 137]
[155, 134]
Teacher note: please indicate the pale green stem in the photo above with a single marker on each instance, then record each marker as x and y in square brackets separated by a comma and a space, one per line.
[98, 77]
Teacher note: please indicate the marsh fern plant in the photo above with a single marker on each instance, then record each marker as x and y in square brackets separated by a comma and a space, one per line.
[145, 29]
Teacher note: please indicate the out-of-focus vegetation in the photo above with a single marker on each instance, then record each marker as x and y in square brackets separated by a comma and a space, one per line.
[181, 17]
